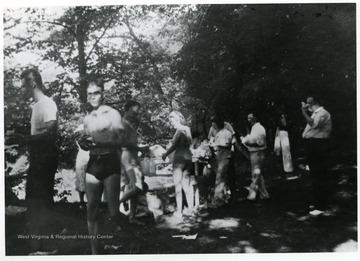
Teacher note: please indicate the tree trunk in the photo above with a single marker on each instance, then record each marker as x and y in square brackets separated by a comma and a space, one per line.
[82, 67]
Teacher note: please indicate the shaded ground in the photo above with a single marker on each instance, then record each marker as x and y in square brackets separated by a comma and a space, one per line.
[280, 224]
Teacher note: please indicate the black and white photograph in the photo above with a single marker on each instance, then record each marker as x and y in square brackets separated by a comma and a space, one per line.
[180, 128]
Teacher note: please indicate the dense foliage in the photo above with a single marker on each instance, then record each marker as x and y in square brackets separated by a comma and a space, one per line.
[201, 60]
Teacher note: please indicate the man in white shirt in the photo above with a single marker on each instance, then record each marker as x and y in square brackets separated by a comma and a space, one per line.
[231, 175]
[256, 143]
[222, 147]
[316, 136]
[43, 154]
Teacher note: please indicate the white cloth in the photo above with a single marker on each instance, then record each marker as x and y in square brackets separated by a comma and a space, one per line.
[282, 144]
[43, 111]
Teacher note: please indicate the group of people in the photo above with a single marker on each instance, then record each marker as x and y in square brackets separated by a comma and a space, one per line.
[112, 144]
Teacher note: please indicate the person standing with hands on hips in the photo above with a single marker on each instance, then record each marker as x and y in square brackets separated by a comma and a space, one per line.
[316, 136]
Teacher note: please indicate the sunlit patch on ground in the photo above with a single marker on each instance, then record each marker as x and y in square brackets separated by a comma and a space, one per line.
[343, 166]
[203, 240]
[344, 194]
[270, 235]
[348, 246]
[227, 223]
[353, 228]
[183, 225]
[242, 247]
[304, 218]
[292, 214]
[284, 249]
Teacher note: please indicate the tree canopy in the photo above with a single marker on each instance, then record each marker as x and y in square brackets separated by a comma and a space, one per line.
[199, 59]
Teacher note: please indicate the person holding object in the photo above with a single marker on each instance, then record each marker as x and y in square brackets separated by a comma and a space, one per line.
[43, 155]
[222, 148]
[282, 144]
[316, 136]
[104, 136]
[182, 163]
[256, 143]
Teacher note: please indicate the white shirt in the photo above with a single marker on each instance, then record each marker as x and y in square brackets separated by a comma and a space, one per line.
[227, 126]
[223, 139]
[321, 127]
[256, 140]
[213, 132]
[43, 111]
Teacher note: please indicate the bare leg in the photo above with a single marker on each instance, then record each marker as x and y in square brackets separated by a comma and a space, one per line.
[189, 190]
[197, 196]
[133, 189]
[93, 190]
[131, 176]
[112, 191]
[177, 176]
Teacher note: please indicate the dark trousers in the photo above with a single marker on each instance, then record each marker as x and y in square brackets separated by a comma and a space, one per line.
[40, 192]
[41, 174]
[317, 153]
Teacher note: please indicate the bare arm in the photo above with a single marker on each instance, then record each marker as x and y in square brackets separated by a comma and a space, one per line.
[308, 119]
[49, 135]
[173, 145]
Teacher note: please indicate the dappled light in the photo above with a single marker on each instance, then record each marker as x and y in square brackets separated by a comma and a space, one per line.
[343, 194]
[213, 64]
[348, 246]
[284, 249]
[226, 223]
[202, 240]
[242, 247]
[180, 224]
[353, 228]
[270, 235]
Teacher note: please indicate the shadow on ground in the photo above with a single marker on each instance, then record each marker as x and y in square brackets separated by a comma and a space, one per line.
[280, 224]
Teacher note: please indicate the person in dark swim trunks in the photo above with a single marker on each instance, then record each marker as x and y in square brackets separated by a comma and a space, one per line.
[104, 136]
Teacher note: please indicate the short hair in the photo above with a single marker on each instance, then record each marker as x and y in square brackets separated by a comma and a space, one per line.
[131, 103]
[254, 115]
[96, 81]
[219, 121]
[315, 98]
[32, 74]
[178, 115]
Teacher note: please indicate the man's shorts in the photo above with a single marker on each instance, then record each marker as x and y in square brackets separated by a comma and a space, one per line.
[103, 166]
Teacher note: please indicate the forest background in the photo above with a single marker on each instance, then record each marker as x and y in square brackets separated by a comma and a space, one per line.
[199, 59]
